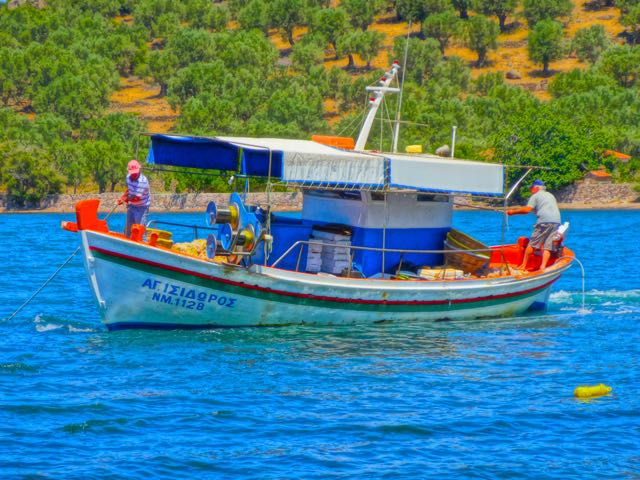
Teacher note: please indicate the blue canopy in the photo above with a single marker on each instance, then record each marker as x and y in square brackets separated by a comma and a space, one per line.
[214, 154]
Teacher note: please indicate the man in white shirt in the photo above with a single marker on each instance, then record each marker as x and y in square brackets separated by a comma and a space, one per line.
[137, 197]
[544, 205]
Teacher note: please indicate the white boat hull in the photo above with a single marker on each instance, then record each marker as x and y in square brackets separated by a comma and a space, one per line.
[137, 286]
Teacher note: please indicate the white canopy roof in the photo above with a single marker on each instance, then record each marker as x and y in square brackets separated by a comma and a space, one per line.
[307, 162]
[312, 164]
[430, 172]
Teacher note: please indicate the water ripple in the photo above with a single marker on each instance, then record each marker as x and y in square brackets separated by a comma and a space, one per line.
[479, 399]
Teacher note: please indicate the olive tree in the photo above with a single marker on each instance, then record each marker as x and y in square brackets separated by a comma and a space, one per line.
[463, 7]
[622, 63]
[545, 43]
[331, 23]
[538, 10]
[255, 15]
[631, 20]
[348, 45]
[13, 75]
[441, 26]
[369, 45]
[481, 36]
[425, 55]
[306, 55]
[499, 8]
[589, 43]
[286, 15]
[29, 175]
[362, 12]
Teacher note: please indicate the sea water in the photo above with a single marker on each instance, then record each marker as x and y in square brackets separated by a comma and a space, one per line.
[479, 399]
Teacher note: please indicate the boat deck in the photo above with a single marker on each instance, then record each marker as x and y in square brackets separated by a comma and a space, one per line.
[504, 261]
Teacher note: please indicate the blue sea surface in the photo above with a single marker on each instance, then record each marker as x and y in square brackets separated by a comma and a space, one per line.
[479, 399]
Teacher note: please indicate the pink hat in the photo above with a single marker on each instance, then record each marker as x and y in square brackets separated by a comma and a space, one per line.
[133, 166]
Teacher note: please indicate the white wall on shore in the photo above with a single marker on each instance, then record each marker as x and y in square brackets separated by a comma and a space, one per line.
[589, 192]
[160, 202]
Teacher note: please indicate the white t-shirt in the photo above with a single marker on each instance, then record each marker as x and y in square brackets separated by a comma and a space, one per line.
[545, 207]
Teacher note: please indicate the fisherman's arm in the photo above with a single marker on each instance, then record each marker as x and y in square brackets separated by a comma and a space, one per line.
[519, 210]
[124, 198]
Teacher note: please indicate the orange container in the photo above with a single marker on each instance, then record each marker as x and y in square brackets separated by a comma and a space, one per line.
[347, 143]
[137, 232]
[87, 216]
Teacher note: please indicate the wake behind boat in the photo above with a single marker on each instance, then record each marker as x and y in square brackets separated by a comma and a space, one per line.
[373, 243]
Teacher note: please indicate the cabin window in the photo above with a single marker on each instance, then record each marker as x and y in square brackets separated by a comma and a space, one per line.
[345, 195]
[432, 197]
[350, 195]
[377, 197]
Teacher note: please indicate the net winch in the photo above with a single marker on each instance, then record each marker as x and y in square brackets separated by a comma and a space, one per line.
[216, 215]
[240, 229]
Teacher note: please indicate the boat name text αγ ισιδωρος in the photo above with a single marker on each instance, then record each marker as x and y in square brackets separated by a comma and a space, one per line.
[189, 298]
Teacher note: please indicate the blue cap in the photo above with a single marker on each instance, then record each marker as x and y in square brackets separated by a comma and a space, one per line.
[537, 183]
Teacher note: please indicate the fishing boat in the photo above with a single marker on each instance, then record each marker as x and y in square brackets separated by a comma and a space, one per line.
[373, 241]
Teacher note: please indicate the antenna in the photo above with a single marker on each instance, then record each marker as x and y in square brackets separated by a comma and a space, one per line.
[374, 103]
[453, 140]
[396, 132]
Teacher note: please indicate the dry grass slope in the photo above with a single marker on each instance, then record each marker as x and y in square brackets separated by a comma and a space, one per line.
[136, 96]
[142, 98]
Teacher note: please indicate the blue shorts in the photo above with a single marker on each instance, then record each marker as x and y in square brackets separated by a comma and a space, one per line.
[136, 214]
[543, 235]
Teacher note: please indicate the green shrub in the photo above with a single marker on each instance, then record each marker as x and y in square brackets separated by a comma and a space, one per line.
[28, 175]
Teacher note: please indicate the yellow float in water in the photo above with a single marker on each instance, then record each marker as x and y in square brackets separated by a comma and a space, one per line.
[591, 391]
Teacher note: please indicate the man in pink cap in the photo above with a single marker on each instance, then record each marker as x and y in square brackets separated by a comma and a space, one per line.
[136, 196]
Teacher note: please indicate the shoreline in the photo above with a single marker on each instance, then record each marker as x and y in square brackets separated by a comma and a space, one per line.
[292, 201]
[287, 208]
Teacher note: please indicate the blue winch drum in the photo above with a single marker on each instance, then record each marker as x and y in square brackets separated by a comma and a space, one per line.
[225, 236]
[212, 245]
[215, 215]
[211, 214]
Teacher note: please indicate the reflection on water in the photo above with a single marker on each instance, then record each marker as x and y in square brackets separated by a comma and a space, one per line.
[414, 341]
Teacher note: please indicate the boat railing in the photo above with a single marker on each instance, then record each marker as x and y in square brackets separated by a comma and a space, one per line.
[195, 228]
[351, 249]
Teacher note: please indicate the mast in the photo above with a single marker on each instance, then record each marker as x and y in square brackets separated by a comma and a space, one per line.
[375, 101]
